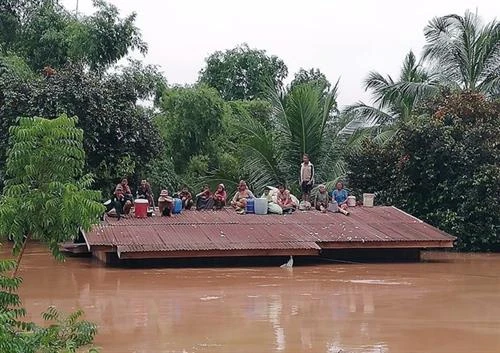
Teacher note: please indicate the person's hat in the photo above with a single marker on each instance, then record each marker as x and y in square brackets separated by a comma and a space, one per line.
[143, 181]
[119, 187]
[222, 185]
[322, 186]
[164, 193]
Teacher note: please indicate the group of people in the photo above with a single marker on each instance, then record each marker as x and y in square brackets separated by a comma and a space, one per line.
[123, 199]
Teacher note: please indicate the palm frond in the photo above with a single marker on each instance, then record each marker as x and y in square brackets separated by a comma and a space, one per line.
[368, 115]
[258, 152]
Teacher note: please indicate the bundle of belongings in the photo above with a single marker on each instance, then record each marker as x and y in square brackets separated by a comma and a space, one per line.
[271, 194]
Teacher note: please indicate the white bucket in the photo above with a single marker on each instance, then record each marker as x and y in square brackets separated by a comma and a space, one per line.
[260, 205]
[333, 207]
[368, 200]
[351, 201]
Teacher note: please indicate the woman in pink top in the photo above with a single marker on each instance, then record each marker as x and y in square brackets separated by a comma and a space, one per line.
[220, 197]
[285, 200]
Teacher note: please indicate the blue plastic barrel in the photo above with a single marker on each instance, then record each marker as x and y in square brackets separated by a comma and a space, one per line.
[250, 206]
[177, 206]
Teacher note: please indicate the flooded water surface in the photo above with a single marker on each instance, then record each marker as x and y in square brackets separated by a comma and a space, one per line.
[448, 304]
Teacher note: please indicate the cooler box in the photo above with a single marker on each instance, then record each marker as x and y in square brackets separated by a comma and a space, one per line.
[260, 206]
[141, 208]
[351, 201]
[177, 206]
[250, 206]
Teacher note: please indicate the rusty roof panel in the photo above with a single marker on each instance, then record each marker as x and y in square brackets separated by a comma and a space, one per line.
[225, 230]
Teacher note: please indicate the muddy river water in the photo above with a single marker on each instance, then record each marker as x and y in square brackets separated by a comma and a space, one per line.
[449, 303]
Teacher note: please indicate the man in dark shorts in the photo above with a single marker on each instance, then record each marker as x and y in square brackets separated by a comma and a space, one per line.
[306, 178]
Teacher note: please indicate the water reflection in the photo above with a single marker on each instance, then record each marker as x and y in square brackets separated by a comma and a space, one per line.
[427, 307]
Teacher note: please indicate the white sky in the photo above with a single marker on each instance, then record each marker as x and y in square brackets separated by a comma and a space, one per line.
[343, 39]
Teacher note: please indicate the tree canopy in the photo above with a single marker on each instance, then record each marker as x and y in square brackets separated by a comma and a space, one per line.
[242, 72]
[46, 34]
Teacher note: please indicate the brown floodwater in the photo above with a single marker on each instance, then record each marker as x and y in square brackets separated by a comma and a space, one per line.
[447, 303]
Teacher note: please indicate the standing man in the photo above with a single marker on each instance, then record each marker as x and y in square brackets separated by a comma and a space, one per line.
[306, 177]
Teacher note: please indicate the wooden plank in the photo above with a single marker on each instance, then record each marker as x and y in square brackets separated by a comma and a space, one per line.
[216, 253]
[387, 244]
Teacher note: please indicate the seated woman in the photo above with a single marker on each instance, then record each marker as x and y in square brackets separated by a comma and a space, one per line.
[321, 199]
[204, 200]
[186, 198]
[220, 197]
[122, 198]
[239, 201]
[144, 192]
[340, 196]
[165, 203]
[284, 199]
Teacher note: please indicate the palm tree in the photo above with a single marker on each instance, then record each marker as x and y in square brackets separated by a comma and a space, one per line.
[394, 100]
[305, 120]
[466, 52]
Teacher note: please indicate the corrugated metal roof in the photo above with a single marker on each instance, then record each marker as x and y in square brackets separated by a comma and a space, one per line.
[225, 230]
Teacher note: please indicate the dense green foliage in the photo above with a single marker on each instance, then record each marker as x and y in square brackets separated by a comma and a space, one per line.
[185, 108]
[312, 76]
[443, 167]
[46, 196]
[46, 34]
[63, 334]
[242, 73]
[116, 129]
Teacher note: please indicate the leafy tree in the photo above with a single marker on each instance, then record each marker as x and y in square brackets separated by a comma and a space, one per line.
[241, 73]
[442, 167]
[65, 334]
[46, 34]
[191, 119]
[116, 128]
[46, 198]
[465, 52]
[259, 109]
[313, 76]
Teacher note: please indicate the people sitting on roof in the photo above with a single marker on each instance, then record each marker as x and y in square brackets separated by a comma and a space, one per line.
[122, 198]
[241, 196]
[321, 199]
[204, 200]
[165, 203]
[186, 198]
[144, 192]
[219, 197]
[284, 199]
[340, 195]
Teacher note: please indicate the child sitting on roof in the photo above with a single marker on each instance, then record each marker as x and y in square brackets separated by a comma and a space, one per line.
[321, 199]
[340, 195]
[144, 192]
[204, 200]
[284, 199]
[220, 197]
[186, 198]
[165, 203]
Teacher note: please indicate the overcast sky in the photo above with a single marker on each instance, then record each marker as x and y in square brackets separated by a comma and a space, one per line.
[343, 39]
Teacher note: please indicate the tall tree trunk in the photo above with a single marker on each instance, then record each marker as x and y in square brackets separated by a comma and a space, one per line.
[20, 256]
